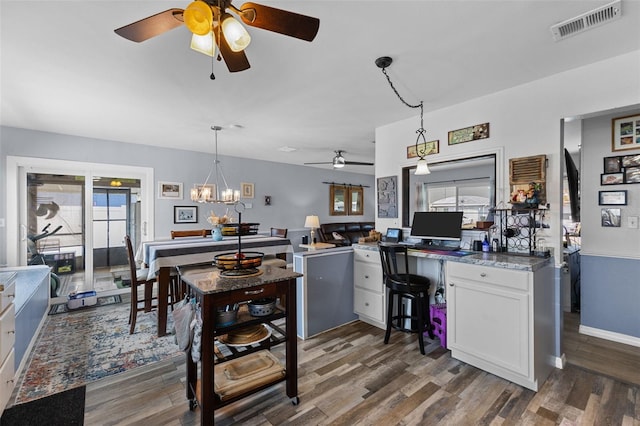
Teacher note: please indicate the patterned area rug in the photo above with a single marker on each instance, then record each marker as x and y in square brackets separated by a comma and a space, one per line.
[80, 347]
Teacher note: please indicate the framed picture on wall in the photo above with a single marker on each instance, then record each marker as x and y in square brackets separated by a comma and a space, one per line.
[247, 190]
[170, 190]
[612, 164]
[632, 175]
[611, 178]
[631, 160]
[185, 214]
[610, 218]
[387, 197]
[612, 198]
[625, 133]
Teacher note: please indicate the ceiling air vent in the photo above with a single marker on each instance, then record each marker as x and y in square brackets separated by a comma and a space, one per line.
[587, 20]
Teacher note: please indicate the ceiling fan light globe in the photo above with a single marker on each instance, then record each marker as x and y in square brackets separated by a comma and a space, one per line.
[204, 44]
[235, 34]
[198, 17]
[422, 167]
[338, 162]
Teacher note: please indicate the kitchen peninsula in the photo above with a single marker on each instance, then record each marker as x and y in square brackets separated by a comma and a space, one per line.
[500, 307]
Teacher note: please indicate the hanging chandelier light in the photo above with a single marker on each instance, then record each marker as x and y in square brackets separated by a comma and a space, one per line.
[422, 167]
[209, 192]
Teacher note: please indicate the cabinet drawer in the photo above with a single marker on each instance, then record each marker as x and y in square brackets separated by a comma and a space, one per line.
[7, 331]
[7, 295]
[368, 276]
[511, 278]
[369, 304]
[369, 256]
[6, 379]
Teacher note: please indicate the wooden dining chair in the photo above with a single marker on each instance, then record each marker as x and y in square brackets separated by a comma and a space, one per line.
[138, 279]
[189, 233]
[177, 287]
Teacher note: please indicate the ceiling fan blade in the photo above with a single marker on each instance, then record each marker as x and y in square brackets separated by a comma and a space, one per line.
[236, 61]
[358, 163]
[151, 26]
[280, 21]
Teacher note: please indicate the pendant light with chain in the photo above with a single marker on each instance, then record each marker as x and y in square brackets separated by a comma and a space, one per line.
[421, 142]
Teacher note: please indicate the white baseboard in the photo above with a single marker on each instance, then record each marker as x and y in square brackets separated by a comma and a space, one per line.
[610, 335]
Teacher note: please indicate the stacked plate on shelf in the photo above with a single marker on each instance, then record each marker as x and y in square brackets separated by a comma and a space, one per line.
[246, 336]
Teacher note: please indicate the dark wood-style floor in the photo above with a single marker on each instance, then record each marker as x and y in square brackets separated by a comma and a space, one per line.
[348, 376]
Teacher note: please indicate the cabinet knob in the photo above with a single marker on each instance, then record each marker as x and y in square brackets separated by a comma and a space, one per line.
[450, 284]
[366, 276]
[366, 304]
[483, 275]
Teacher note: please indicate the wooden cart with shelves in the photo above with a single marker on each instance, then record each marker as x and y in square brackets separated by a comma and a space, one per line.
[212, 291]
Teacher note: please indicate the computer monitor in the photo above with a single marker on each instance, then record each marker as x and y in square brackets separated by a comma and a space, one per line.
[446, 226]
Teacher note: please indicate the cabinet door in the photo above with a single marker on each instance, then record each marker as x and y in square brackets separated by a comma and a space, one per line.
[489, 322]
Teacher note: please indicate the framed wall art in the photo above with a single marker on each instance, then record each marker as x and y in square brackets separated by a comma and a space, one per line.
[472, 133]
[611, 178]
[612, 198]
[185, 214]
[246, 190]
[612, 164]
[625, 133]
[630, 160]
[388, 197]
[632, 174]
[429, 148]
[170, 190]
[610, 217]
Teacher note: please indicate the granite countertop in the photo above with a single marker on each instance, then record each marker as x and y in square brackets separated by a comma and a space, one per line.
[496, 260]
[207, 279]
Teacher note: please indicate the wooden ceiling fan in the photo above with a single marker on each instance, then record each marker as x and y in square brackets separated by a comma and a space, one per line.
[339, 161]
[211, 22]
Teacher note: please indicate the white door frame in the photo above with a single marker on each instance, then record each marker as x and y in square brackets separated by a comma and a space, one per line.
[17, 169]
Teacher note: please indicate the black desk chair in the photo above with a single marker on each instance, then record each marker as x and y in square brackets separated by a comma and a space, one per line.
[403, 285]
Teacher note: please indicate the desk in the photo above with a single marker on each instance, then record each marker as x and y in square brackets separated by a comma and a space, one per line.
[161, 256]
[317, 246]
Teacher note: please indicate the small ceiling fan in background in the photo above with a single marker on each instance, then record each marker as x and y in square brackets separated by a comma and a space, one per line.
[212, 25]
[339, 161]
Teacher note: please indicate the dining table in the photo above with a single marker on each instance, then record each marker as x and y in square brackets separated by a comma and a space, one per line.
[162, 255]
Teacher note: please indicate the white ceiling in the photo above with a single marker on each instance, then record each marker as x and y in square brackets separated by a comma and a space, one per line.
[64, 70]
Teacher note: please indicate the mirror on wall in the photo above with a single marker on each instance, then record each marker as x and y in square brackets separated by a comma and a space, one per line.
[356, 198]
[466, 184]
[337, 200]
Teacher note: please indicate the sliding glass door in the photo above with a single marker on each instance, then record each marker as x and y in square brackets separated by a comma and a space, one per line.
[73, 218]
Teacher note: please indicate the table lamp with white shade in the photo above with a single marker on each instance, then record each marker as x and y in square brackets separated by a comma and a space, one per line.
[312, 222]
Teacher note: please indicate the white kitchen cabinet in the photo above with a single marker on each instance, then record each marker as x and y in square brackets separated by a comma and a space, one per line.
[501, 320]
[369, 289]
[7, 336]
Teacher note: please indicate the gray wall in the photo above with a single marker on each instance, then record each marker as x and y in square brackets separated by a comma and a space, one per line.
[610, 260]
[296, 191]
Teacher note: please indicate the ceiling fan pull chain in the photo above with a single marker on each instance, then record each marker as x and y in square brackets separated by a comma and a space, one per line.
[212, 76]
